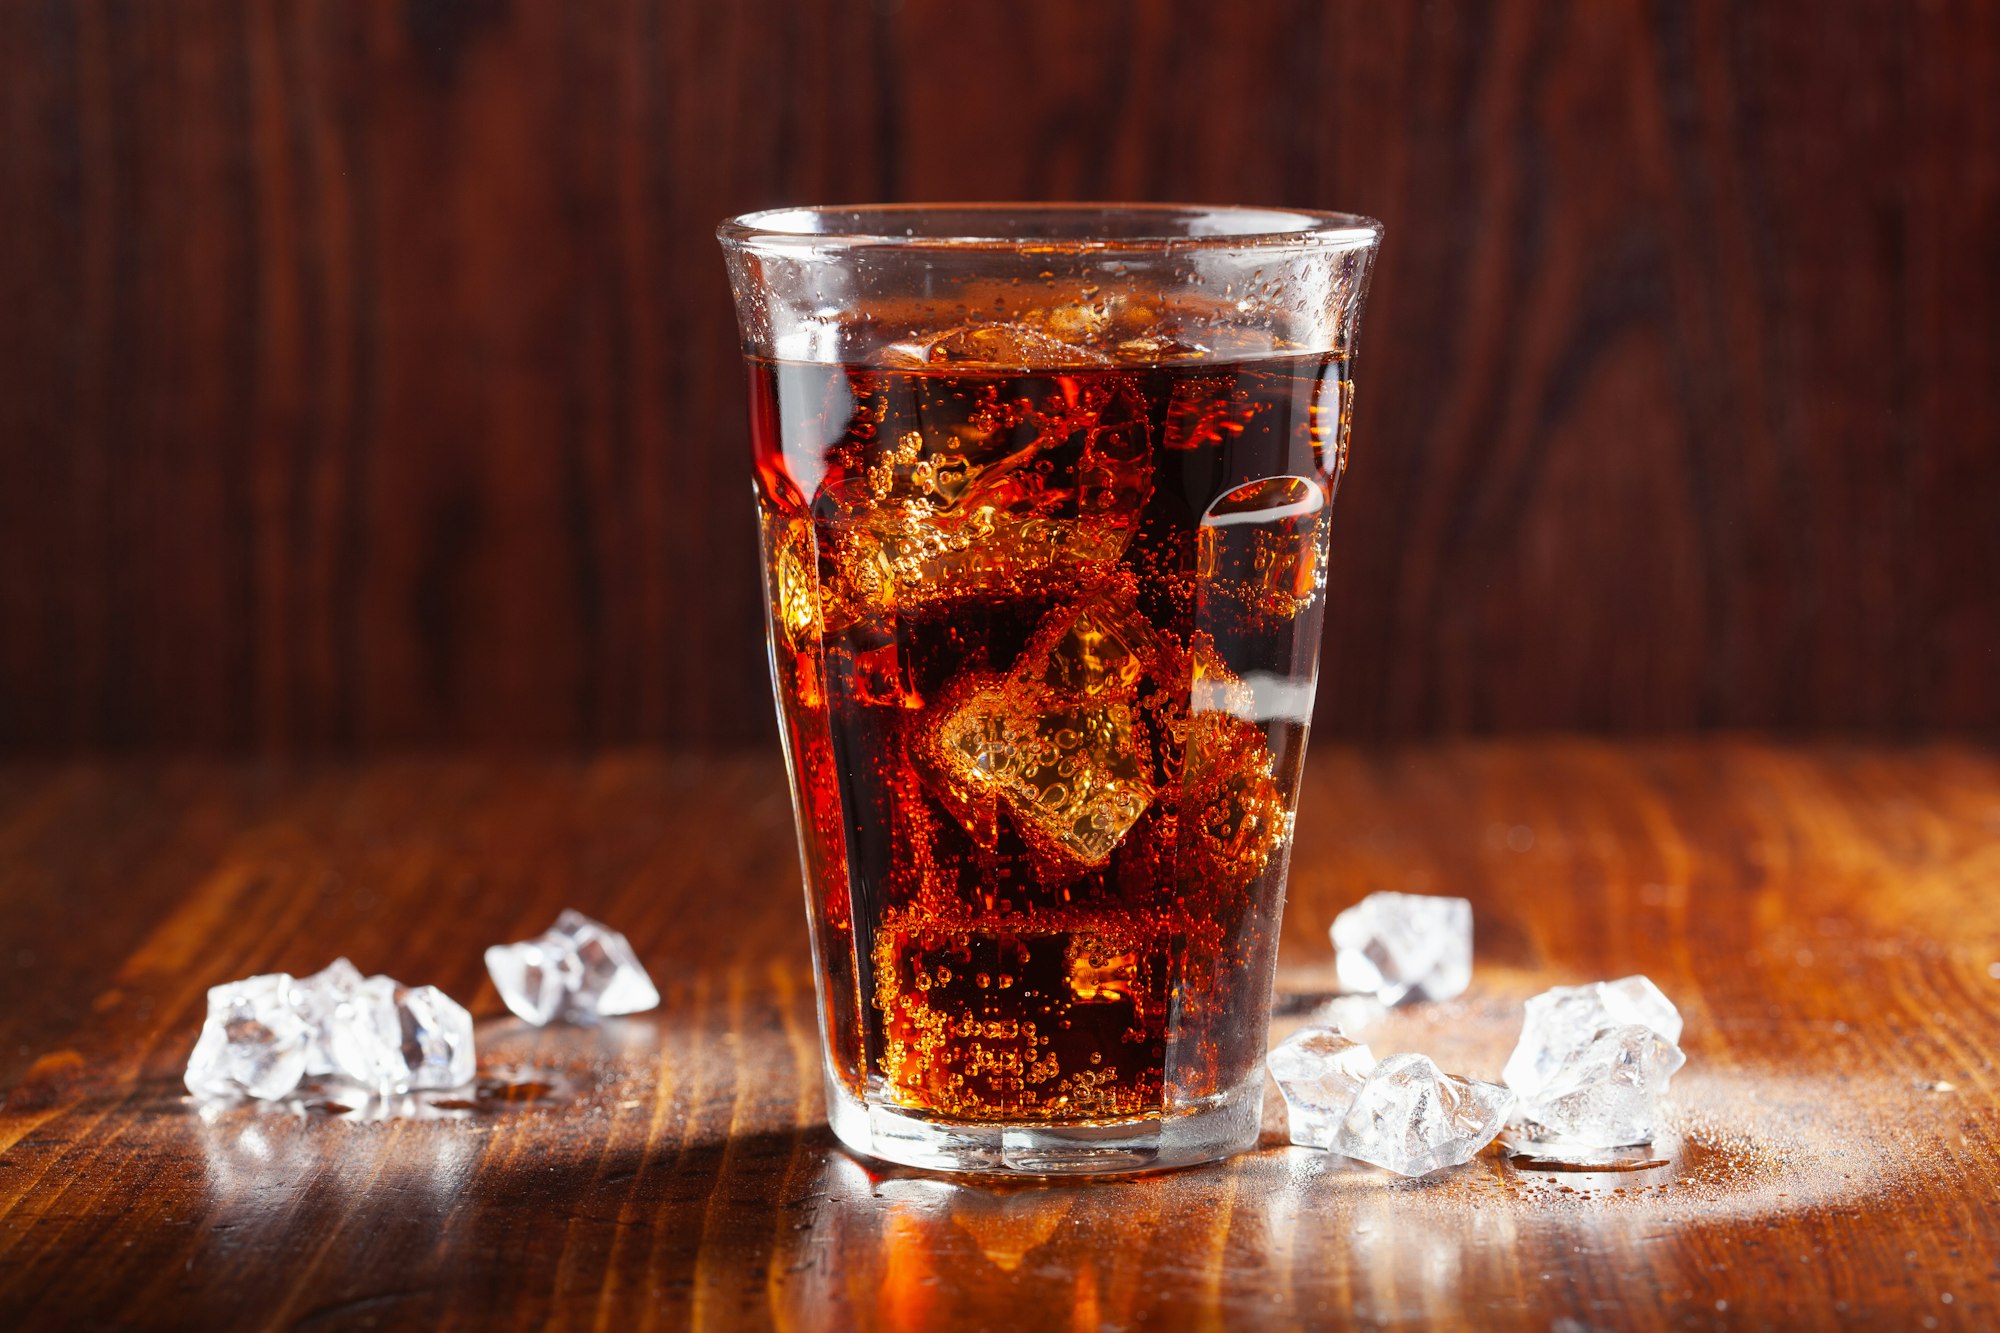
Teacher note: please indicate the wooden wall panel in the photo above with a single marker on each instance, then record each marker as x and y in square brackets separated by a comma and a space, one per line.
[367, 375]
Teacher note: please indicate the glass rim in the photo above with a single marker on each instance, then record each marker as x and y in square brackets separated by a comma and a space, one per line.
[791, 230]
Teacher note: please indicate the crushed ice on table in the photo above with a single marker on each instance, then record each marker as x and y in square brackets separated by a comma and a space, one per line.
[1606, 1093]
[381, 1035]
[531, 975]
[1593, 1062]
[267, 1034]
[578, 969]
[1412, 1118]
[317, 998]
[433, 1040]
[1401, 1113]
[1319, 1071]
[1404, 946]
[1565, 1018]
[254, 1042]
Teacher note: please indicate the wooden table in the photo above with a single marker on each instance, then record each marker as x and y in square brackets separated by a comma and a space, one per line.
[1828, 919]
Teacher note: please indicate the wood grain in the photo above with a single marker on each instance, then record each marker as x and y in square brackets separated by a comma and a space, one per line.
[367, 375]
[1823, 916]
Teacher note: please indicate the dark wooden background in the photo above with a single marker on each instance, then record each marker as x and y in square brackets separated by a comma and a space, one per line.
[367, 375]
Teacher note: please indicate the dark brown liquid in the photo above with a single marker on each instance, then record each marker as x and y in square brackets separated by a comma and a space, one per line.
[1044, 645]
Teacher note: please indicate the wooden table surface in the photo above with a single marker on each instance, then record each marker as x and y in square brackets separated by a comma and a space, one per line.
[1827, 918]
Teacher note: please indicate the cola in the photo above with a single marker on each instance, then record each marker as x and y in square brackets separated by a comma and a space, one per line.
[1044, 622]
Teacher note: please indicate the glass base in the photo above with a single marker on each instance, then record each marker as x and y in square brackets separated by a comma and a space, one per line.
[1222, 1127]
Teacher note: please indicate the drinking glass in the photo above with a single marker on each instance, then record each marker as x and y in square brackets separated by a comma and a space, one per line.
[1043, 493]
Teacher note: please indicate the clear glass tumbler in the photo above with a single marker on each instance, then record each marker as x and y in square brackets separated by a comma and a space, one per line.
[1044, 494]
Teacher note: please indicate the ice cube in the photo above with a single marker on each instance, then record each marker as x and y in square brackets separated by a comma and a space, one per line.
[392, 1039]
[1100, 973]
[1011, 346]
[610, 981]
[1412, 1118]
[1075, 777]
[908, 560]
[578, 969]
[1102, 652]
[1604, 1093]
[955, 493]
[1101, 319]
[1009, 990]
[1263, 546]
[264, 1035]
[435, 1039]
[1319, 1071]
[1563, 1020]
[1153, 348]
[253, 1042]
[532, 976]
[1405, 946]
[1233, 813]
[1057, 740]
[360, 1032]
[794, 566]
[317, 999]
[1206, 411]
